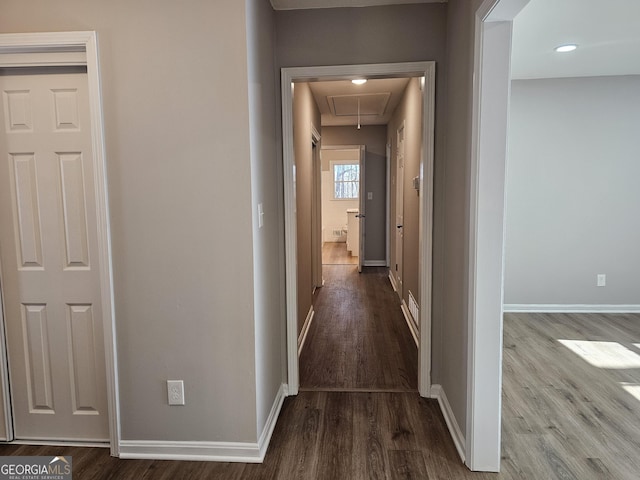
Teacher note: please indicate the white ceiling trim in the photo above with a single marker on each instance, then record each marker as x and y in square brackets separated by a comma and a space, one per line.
[306, 4]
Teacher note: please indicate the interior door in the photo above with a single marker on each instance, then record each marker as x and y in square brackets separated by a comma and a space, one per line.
[48, 249]
[399, 208]
[361, 209]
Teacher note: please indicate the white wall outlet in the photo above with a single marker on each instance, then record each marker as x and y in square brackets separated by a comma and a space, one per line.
[602, 280]
[175, 392]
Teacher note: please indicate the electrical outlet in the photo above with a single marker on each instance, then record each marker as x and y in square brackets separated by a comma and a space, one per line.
[175, 392]
[601, 280]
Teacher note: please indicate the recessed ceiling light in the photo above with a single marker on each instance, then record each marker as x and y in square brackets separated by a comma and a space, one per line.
[359, 81]
[570, 47]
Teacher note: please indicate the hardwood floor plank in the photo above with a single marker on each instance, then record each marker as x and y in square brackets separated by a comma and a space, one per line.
[573, 418]
[335, 253]
[359, 338]
[336, 440]
[369, 455]
[563, 418]
[298, 439]
[407, 465]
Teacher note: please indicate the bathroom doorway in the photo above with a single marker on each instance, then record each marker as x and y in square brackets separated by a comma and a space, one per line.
[342, 209]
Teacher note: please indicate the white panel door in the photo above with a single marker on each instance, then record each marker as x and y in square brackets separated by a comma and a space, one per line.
[48, 249]
[399, 208]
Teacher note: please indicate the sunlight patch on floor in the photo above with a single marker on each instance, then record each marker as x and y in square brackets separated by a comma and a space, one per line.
[604, 354]
[632, 388]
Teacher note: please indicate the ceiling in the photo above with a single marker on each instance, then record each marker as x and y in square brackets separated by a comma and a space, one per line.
[303, 4]
[608, 35]
[607, 32]
[338, 100]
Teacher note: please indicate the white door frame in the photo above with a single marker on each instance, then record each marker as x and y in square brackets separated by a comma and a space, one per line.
[361, 158]
[413, 69]
[491, 73]
[397, 213]
[317, 239]
[49, 46]
[362, 205]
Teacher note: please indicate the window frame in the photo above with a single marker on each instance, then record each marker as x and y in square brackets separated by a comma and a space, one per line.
[332, 165]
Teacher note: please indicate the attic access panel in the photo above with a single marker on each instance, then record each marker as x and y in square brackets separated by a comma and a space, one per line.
[370, 104]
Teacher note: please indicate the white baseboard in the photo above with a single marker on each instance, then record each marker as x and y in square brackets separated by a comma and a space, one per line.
[305, 329]
[393, 282]
[412, 328]
[207, 451]
[561, 308]
[437, 392]
[375, 263]
[270, 424]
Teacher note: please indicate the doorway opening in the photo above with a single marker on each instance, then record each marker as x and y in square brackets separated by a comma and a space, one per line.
[424, 74]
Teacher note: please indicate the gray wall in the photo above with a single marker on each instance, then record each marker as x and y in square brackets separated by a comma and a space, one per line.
[336, 36]
[409, 111]
[176, 106]
[373, 137]
[305, 115]
[572, 191]
[266, 188]
[452, 228]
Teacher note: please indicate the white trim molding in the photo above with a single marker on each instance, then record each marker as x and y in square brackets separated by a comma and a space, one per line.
[393, 282]
[305, 329]
[489, 120]
[270, 424]
[375, 263]
[570, 308]
[41, 44]
[341, 72]
[437, 392]
[243, 452]
[410, 324]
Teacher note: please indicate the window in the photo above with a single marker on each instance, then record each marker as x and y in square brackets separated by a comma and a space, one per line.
[346, 180]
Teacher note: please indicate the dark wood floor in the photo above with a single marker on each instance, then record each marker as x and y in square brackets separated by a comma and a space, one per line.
[359, 339]
[319, 435]
[335, 253]
[563, 418]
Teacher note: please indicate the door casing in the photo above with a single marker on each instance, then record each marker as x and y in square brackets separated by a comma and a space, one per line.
[47, 49]
[489, 119]
[398, 272]
[341, 72]
[362, 207]
[316, 212]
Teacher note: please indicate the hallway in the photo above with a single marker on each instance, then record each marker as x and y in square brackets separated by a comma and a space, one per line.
[359, 339]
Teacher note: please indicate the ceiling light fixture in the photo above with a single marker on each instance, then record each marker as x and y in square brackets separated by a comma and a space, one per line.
[359, 81]
[570, 47]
